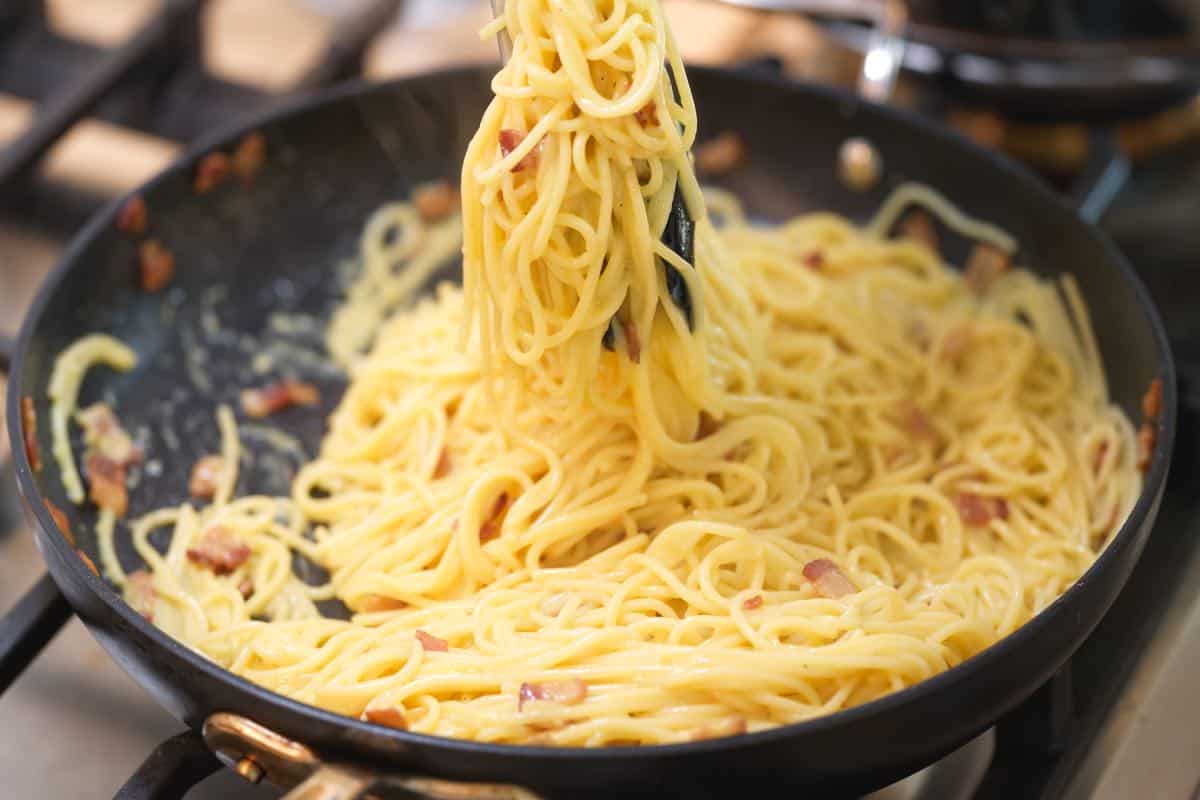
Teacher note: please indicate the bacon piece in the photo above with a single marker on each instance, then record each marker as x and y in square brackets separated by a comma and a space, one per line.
[957, 341]
[219, 551]
[632, 342]
[206, 475]
[387, 717]
[249, 156]
[918, 227]
[140, 593]
[985, 264]
[814, 260]
[722, 154]
[569, 692]
[246, 588]
[211, 172]
[751, 603]
[133, 216]
[106, 483]
[510, 140]
[61, 522]
[431, 643]
[916, 422]
[87, 561]
[156, 266]
[828, 578]
[436, 201]
[379, 602]
[979, 510]
[103, 434]
[444, 464]
[490, 528]
[29, 433]
[264, 402]
[1099, 458]
[1147, 440]
[647, 115]
[733, 726]
[1152, 400]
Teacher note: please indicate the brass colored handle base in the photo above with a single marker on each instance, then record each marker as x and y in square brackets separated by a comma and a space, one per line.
[257, 753]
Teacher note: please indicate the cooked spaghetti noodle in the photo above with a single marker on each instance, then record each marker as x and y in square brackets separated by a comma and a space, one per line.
[847, 474]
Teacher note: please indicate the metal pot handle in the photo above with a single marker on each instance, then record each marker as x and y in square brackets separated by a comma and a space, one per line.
[257, 753]
[884, 54]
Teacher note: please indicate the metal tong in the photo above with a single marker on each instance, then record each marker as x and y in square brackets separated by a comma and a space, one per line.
[679, 234]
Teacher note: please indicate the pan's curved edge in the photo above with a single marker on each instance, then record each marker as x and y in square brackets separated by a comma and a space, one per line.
[390, 740]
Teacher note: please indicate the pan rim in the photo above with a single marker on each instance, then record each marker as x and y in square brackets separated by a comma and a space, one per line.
[1148, 499]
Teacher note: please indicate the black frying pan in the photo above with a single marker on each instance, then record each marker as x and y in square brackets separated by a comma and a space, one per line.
[273, 246]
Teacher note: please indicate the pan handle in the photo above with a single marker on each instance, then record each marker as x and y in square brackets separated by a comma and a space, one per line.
[257, 753]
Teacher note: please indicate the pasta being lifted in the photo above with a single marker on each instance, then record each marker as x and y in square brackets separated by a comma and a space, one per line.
[605, 493]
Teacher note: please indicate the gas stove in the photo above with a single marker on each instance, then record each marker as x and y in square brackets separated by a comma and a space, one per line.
[1115, 723]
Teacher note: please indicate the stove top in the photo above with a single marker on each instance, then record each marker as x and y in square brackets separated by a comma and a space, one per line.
[1116, 723]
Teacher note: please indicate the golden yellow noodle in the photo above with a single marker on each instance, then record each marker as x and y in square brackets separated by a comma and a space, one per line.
[554, 511]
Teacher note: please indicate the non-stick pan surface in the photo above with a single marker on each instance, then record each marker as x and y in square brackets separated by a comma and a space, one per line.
[258, 270]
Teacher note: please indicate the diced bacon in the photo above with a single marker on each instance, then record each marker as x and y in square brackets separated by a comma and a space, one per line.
[133, 216]
[733, 726]
[722, 154]
[1147, 440]
[249, 156]
[707, 426]
[1152, 400]
[491, 526]
[156, 266]
[828, 578]
[140, 593]
[379, 602]
[29, 433]
[510, 140]
[103, 434]
[431, 643]
[647, 115]
[436, 201]
[985, 264]
[206, 476]
[814, 260]
[979, 510]
[211, 172]
[264, 402]
[218, 550]
[632, 342]
[957, 341]
[106, 483]
[918, 227]
[87, 562]
[444, 465]
[916, 422]
[61, 522]
[387, 717]
[751, 603]
[569, 692]
[1100, 457]
[246, 588]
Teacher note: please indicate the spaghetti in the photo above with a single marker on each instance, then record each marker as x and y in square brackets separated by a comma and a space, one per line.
[846, 473]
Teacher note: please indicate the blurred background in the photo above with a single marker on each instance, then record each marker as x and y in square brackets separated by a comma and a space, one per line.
[96, 96]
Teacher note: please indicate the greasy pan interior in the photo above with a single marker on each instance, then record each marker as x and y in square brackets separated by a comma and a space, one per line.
[245, 253]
